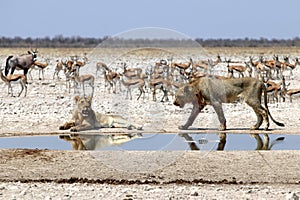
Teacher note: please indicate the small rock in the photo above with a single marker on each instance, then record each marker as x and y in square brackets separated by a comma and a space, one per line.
[195, 194]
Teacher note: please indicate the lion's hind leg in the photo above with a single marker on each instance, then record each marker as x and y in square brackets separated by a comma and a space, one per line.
[262, 116]
[259, 120]
[120, 122]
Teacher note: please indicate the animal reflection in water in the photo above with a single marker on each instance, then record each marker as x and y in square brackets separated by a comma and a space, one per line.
[262, 144]
[94, 142]
[265, 144]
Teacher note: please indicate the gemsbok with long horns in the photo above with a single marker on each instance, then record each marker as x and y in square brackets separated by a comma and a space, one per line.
[24, 62]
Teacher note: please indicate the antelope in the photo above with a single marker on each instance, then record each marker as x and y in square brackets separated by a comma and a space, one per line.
[79, 63]
[99, 66]
[288, 65]
[164, 86]
[69, 72]
[75, 63]
[39, 66]
[260, 68]
[241, 69]
[256, 66]
[111, 78]
[274, 65]
[201, 65]
[134, 83]
[14, 78]
[276, 88]
[59, 66]
[183, 66]
[292, 92]
[204, 64]
[131, 72]
[24, 62]
[84, 79]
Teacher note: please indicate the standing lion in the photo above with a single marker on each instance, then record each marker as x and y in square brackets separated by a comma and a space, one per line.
[217, 90]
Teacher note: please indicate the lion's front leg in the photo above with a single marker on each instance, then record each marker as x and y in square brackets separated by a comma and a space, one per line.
[81, 127]
[195, 112]
[219, 110]
[67, 125]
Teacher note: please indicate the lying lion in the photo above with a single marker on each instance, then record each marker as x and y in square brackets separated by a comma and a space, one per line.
[215, 91]
[85, 118]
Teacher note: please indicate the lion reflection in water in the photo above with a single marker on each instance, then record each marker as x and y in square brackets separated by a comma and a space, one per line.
[261, 144]
[94, 142]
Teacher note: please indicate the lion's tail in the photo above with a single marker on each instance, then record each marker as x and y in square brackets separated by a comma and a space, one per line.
[266, 105]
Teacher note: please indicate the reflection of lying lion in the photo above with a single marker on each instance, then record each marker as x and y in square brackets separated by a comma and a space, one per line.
[215, 91]
[93, 142]
[85, 118]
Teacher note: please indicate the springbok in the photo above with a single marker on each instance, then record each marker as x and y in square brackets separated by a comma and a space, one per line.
[275, 89]
[111, 78]
[39, 66]
[292, 92]
[261, 70]
[24, 62]
[100, 66]
[183, 66]
[162, 84]
[204, 64]
[59, 66]
[14, 78]
[273, 65]
[131, 72]
[241, 69]
[134, 83]
[84, 79]
[290, 66]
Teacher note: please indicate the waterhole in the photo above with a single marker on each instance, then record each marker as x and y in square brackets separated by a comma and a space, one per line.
[155, 142]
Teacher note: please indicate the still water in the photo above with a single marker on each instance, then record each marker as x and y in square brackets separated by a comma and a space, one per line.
[155, 142]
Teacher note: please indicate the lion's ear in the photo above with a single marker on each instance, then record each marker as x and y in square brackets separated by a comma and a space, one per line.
[76, 98]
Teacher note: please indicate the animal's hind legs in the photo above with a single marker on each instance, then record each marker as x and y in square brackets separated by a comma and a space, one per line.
[262, 117]
[259, 121]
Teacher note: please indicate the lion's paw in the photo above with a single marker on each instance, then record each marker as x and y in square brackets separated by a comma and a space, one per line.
[182, 127]
[74, 129]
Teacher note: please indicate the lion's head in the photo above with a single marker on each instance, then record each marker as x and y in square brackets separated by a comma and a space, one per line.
[185, 94]
[84, 105]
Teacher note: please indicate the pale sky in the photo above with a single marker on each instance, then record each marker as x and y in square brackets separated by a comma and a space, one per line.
[194, 18]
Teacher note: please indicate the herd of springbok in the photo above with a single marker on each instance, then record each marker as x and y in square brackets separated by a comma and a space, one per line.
[162, 77]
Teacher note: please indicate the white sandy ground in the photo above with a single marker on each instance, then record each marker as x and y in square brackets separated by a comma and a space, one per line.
[86, 191]
[266, 175]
